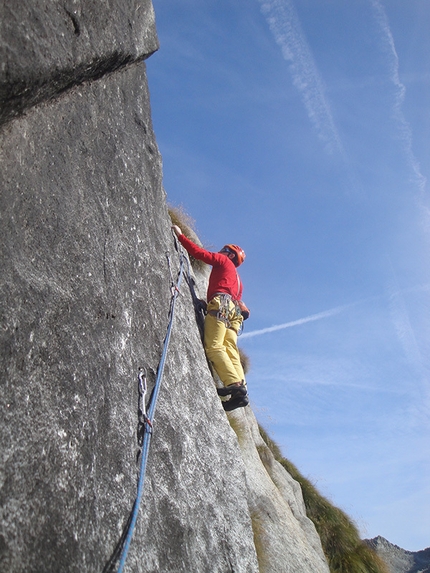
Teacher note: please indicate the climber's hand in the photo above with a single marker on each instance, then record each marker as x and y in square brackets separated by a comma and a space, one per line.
[176, 230]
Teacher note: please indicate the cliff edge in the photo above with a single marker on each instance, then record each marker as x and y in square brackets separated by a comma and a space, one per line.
[86, 272]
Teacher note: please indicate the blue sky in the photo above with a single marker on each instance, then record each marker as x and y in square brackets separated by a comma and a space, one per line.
[301, 131]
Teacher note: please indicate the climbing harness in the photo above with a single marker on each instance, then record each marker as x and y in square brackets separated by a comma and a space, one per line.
[146, 417]
[223, 313]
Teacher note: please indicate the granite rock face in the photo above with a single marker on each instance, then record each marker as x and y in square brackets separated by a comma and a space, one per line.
[285, 538]
[85, 293]
[85, 280]
[399, 560]
[48, 46]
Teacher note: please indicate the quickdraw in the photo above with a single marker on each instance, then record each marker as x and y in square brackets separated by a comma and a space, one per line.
[144, 420]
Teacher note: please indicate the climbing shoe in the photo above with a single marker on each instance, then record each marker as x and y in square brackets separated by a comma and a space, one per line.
[237, 402]
[236, 389]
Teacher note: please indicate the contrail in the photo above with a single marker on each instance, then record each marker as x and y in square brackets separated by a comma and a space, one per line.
[404, 127]
[311, 318]
[285, 26]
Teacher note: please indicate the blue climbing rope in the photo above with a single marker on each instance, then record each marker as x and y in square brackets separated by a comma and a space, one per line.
[148, 417]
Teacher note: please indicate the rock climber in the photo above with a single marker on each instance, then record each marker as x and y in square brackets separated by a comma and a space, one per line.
[225, 313]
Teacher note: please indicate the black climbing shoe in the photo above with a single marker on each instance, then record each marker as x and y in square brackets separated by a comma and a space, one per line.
[237, 402]
[236, 389]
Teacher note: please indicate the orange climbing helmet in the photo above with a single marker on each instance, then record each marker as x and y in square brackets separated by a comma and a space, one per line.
[238, 252]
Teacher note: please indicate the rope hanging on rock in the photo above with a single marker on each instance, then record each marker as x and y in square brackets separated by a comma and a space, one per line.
[199, 304]
[147, 417]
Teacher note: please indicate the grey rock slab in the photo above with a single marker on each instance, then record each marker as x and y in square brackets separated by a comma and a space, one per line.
[286, 540]
[85, 291]
[48, 46]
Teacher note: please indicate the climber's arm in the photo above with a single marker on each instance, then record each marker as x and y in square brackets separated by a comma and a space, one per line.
[196, 251]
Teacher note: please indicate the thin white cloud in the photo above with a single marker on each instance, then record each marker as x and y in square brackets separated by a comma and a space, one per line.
[399, 312]
[285, 26]
[404, 330]
[311, 318]
[393, 62]
[411, 348]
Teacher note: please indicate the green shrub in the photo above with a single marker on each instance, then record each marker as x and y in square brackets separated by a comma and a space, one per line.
[345, 551]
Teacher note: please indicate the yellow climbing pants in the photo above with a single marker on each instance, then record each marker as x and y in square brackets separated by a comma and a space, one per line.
[222, 324]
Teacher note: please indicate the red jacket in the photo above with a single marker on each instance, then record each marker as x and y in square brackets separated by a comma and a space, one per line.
[224, 276]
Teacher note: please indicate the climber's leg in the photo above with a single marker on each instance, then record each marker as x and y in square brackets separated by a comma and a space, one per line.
[230, 343]
[215, 331]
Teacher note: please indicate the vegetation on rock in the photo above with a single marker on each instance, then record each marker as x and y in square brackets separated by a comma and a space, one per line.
[345, 551]
[179, 217]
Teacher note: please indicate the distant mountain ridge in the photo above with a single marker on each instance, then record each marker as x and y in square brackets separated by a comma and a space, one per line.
[399, 560]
